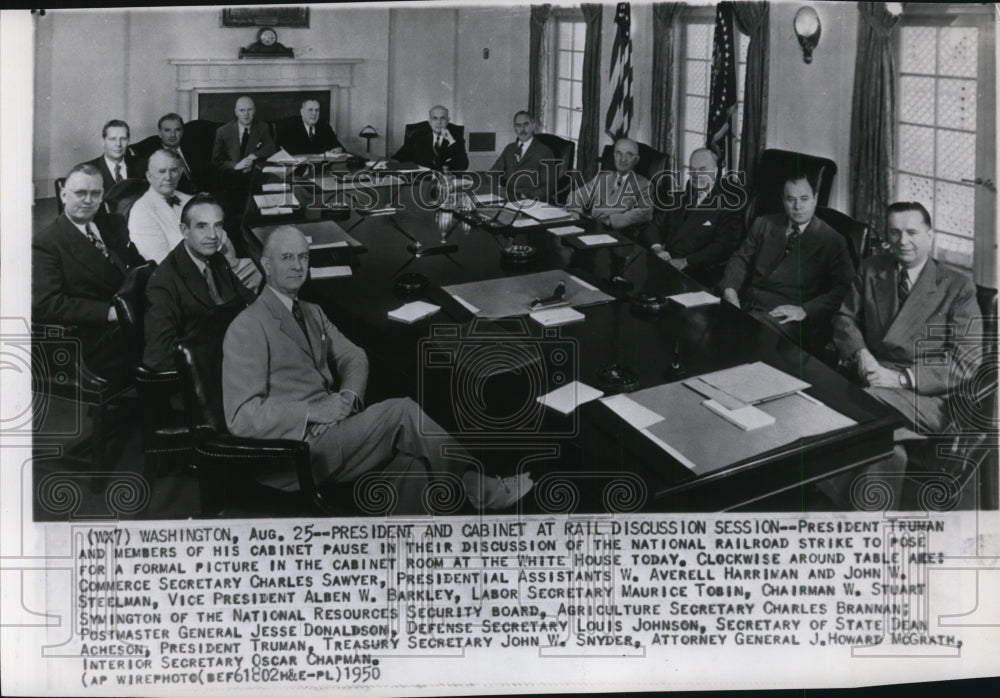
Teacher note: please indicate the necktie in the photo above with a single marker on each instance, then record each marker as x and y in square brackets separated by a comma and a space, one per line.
[118, 173]
[213, 290]
[97, 242]
[300, 318]
[520, 151]
[312, 134]
[618, 182]
[173, 200]
[438, 142]
[902, 288]
[244, 142]
[792, 240]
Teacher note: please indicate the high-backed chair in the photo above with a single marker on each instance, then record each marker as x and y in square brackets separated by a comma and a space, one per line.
[58, 183]
[775, 166]
[565, 150]
[123, 195]
[226, 463]
[855, 232]
[198, 140]
[650, 162]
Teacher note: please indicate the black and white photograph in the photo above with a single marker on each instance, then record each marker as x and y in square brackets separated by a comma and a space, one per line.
[387, 346]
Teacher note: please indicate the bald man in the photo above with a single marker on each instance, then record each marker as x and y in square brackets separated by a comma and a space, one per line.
[242, 140]
[288, 373]
[617, 198]
[436, 144]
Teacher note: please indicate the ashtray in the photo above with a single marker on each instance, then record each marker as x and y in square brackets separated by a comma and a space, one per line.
[615, 378]
[649, 302]
[518, 253]
[411, 284]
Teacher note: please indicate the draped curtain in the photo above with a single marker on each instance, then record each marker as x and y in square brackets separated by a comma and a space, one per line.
[664, 15]
[590, 123]
[753, 18]
[873, 115]
[539, 56]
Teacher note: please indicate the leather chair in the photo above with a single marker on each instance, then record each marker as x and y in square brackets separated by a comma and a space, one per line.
[226, 462]
[166, 436]
[198, 140]
[856, 233]
[650, 161]
[58, 184]
[775, 165]
[565, 150]
[121, 197]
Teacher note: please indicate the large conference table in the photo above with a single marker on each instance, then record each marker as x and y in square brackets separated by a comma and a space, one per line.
[479, 378]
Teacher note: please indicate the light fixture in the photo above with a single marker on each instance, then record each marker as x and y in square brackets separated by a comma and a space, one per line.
[808, 30]
[368, 132]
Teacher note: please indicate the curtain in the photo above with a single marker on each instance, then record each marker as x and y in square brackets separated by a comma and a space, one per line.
[590, 123]
[538, 65]
[664, 15]
[753, 18]
[873, 115]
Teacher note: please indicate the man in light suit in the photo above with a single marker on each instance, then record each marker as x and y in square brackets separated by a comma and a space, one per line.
[700, 228]
[435, 144]
[118, 162]
[191, 280]
[792, 267]
[288, 373]
[522, 164]
[241, 141]
[155, 225]
[618, 199]
[307, 135]
[78, 263]
[886, 321]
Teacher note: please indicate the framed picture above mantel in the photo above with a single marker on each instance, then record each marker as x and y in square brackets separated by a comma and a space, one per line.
[297, 17]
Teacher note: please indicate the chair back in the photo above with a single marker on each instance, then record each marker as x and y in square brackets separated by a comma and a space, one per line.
[565, 150]
[855, 232]
[775, 166]
[130, 304]
[58, 183]
[650, 161]
[199, 363]
[122, 195]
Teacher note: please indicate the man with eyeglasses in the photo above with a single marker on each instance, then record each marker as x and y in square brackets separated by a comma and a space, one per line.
[618, 198]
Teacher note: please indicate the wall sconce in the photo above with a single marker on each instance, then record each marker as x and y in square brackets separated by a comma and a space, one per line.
[368, 132]
[808, 30]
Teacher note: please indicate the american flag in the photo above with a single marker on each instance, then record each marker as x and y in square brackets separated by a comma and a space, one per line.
[619, 117]
[722, 99]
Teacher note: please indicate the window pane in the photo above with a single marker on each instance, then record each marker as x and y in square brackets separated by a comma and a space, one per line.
[957, 51]
[916, 149]
[698, 42]
[742, 46]
[575, 119]
[692, 141]
[562, 123]
[957, 104]
[580, 36]
[954, 209]
[956, 155]
[695, 110]
[696, 78]
[917, 55]
[578, 65]
[954, 250]
[741, 79]
[565, 59]
[917, 100]
[563, 94]
[565, 35]
[911, 188]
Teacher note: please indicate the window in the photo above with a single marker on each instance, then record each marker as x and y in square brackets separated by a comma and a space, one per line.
[570, 32]
[943, 140]
[696, 80]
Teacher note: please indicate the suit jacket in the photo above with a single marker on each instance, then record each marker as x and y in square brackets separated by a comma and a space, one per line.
[270, 371]
[154, 225]
[419, 148]
[177, 298]
[293, 138]
[628, 206]
[192, 180]
[72, 283]
[536, 182]
[940, 298]
[226, 149]
[134, 168]
[817, 278]
[704, 235]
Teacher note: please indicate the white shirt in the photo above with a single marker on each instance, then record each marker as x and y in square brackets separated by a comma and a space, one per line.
[154, 225]
[111, 167]
[200, 263]
[285, 299]
[914, 272]
[524, 146]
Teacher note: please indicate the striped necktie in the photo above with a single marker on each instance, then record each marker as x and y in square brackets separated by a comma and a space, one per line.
[97, 241]
[902, 288]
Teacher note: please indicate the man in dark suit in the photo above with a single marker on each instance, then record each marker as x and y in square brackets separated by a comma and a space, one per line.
[886, 319]
[241, 141]
[170, 133]
[524, 164]
[288, 373]
[699, 228]
[307, 135]
[118, 162]
[792, 267]
[78, 264]
[191, 280]
[436, 144]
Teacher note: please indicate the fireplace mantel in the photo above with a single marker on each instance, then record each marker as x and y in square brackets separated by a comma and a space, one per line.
[198, 75]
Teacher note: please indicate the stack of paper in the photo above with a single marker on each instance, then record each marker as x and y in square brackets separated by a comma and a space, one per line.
[325, 245]
[689, 300]
[566, 230]
[273, 169]
[329, 272]
[600, 239]
[554, 317]
[567, 398]
[277, 186]
[545, 212]
[411, 312]
[274, 200]
[276, 211]
[488, 198]
[753, 383]
[283, 156]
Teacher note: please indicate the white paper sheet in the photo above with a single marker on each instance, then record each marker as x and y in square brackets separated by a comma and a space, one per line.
[411, 312]
[566, 230]
[631, 411]
[570, 396]
[330, 272]
[689, 300]
[599, 239]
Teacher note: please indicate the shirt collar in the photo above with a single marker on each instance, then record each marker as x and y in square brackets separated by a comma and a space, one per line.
[285, 299]
[83, 227]
[111, 166]
[913, 272]
[527, 144]
[197, 262]
[802, 226]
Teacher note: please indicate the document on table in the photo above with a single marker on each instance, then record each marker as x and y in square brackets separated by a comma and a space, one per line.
[569, 397]
[694, 298]
[272, 200]
[753, 383]
[284, 156]
[488, 199]
[546, 212]
[555, 317]
[277, 186]
[566, 230]
[411, 312]
[276, 211]
[600, 239]
[325, 245]
[330, 272]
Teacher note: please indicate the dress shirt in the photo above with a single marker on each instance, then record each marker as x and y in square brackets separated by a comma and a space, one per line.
[111, 167]
[200, 263]
[83, 228]
[913, 272]
[524, 146]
